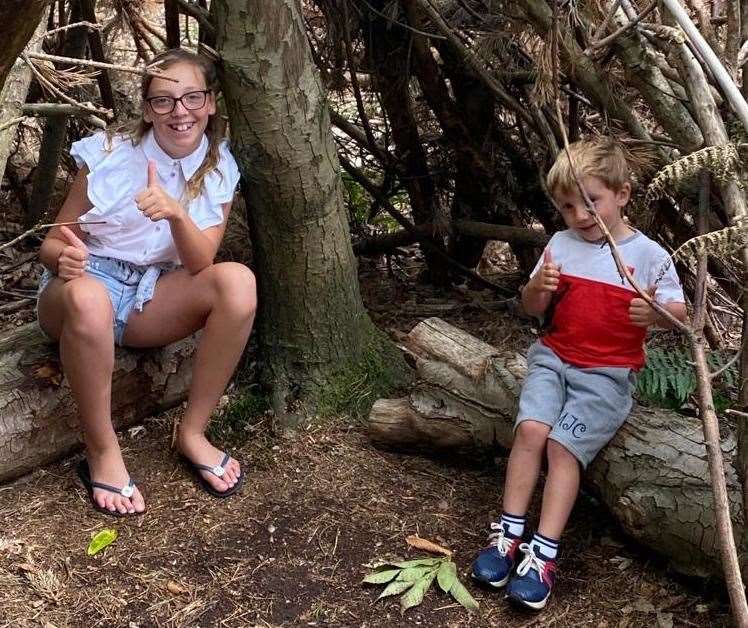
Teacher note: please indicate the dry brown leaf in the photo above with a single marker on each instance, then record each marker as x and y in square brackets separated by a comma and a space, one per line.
[424, 544]
[175, 588]
[28, 567]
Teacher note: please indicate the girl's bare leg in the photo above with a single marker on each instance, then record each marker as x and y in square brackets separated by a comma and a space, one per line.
[221, 300]
[79, 314]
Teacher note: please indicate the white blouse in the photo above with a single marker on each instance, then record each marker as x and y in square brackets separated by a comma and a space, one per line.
[119, 171]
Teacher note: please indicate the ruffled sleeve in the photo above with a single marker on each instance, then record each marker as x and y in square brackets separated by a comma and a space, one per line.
[90, 151]
[219, 187]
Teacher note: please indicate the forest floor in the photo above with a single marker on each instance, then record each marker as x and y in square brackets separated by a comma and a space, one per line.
[290, 549]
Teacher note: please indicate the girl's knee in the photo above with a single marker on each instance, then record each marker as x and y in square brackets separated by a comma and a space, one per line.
[235, 287]
[86, 305]
[531, 435]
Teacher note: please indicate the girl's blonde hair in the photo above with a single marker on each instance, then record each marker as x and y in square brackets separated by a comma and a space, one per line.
[215, 130]
[601, 157]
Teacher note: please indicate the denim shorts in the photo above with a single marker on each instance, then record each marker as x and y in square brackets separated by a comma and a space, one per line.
[584, 407]
[129, 286]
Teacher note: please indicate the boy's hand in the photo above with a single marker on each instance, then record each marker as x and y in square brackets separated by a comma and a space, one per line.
[640, 312]
[72, 261]
[547, 277]
[154, 202]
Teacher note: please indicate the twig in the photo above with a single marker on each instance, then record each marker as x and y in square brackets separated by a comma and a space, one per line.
[624, 29]
[46, 83]
[723, 368]
[100, 64]
[742, 415]
[28, 232]
[193, 10]
[64, 28]
[405, 26]
[12, 122]
[49, 109]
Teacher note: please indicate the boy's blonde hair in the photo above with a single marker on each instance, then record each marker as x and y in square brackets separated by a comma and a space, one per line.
[601, 157]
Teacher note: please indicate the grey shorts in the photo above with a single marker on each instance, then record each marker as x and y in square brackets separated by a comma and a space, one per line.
[129, 286]
[584, 407]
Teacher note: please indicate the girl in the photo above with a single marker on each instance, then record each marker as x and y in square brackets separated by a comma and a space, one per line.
[161, 191]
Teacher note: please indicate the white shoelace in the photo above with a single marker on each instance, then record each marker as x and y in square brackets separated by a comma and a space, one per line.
[530, 561]
[499, 539]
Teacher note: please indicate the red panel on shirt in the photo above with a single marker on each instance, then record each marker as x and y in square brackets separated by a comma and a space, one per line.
[591, 325]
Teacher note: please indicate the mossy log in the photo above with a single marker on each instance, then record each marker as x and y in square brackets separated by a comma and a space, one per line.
[38, 417]
[652, 476]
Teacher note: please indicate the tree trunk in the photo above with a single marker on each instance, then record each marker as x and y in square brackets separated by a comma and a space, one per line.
[653, 475]
[13, 95]
[314, 331]
[38, 418]
[19, 19]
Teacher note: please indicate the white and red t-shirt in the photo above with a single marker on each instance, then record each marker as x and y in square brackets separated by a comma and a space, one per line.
[590, 323]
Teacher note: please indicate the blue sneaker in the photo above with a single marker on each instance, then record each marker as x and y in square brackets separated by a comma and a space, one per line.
[495, 563]
[532, 584]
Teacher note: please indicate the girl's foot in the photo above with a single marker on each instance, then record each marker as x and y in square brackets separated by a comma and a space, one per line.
[198, 449]
[107, 467]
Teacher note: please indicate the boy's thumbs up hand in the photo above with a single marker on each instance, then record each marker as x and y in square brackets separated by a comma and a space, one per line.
[547, 277]
[640, 312]
[154, 202]
[72, 260]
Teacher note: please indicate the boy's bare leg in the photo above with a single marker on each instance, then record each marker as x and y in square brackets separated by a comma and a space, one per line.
[523, 468]
[561, 488]
[79, 314]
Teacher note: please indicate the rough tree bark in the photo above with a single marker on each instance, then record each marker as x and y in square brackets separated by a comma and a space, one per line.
[38, 418]
[314, 331]
[653, 476]
[12, 96]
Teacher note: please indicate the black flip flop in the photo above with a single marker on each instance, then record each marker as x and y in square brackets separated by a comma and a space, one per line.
[84, 473]
[217, 470]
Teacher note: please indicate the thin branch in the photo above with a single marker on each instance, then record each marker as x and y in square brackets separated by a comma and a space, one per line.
[12, 122]
[64, 28]
[595, 45]
[726, 366]
[59, 93]
[604, 24]
[100, 64]
[49, 109]
[33, 230]
[200, 14]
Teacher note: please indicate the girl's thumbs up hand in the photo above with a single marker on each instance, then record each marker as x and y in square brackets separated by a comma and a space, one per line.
[72, 261]
[154, 202]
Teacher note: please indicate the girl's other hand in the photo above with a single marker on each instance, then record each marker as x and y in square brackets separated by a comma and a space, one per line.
[154, 202]
[72, 261]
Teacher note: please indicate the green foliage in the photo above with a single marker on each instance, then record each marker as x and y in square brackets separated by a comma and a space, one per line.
[413, 578]
[244, 410]
[668, 379]
[359, 205]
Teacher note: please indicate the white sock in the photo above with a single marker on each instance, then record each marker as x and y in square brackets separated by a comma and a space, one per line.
[544, 547]
[514, 526]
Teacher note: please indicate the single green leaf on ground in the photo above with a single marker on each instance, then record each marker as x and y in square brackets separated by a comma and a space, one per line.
[100, 540]
[412, 574]
[416, 593]
[395, 587]
[446, 575]
[380, 577]
[462, 595]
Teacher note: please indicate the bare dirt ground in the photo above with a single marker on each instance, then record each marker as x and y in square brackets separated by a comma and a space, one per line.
[290, 550]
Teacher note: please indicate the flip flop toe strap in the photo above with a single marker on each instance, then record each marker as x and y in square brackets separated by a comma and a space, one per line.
[218, 470]
[125, 491]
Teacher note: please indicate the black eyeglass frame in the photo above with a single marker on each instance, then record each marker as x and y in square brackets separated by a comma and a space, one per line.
[174, 101]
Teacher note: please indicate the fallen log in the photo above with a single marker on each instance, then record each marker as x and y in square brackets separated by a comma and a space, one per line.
[653, 476]
[38, 418]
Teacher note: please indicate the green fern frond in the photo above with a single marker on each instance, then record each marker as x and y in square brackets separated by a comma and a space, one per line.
[722, 161]
[727, 241]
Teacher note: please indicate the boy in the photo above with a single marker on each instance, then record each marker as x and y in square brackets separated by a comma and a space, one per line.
[579, 374]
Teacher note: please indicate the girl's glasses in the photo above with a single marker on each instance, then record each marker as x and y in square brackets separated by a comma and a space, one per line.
[190, 101]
